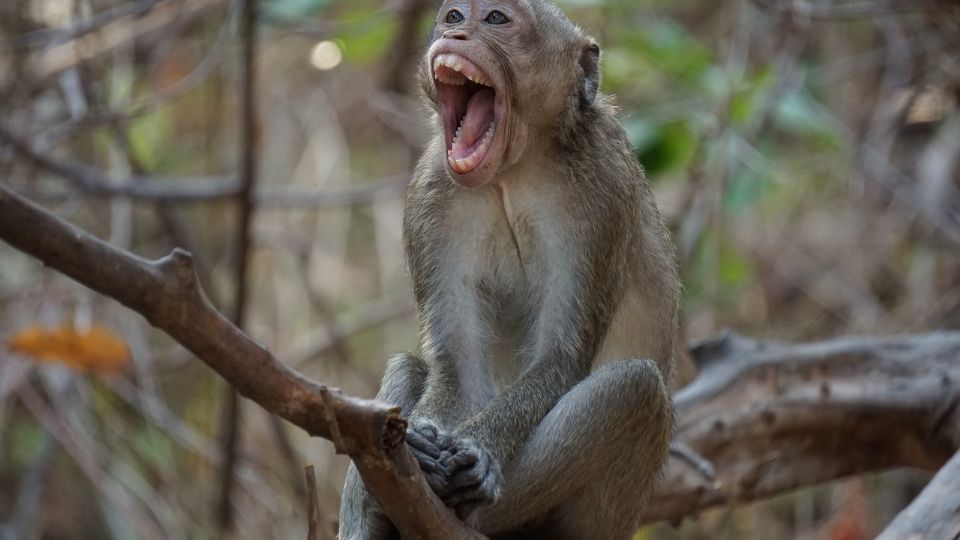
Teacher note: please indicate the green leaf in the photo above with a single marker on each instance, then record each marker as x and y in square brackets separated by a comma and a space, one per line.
[665, 147]
[800, 114]
[25, 441]
[733, 269]
[370, 44]
[673, 50]
[749, 95]
[746, 189]
[150, 135]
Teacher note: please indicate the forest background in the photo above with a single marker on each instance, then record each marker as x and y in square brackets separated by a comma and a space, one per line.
[806, 156]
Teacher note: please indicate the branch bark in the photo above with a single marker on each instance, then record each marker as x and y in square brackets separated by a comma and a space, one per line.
[167, 294]
[774, 417]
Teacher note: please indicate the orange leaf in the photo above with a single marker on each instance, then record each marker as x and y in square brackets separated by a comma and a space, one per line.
[96, 350]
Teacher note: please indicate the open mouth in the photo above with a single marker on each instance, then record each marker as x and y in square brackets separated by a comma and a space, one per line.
[468, 106]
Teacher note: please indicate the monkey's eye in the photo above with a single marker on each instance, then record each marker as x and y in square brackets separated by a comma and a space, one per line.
[496, 17]
[454, 17]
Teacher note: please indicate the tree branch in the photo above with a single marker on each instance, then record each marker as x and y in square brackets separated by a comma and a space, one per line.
[230, 440]
[166, 293]
[774, 417]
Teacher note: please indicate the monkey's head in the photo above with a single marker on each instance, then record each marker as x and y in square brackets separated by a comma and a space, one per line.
[503, 73]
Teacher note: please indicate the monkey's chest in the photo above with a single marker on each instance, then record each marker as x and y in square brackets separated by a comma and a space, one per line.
[510, 302]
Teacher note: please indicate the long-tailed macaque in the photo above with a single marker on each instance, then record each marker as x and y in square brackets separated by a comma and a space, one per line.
[546, 284]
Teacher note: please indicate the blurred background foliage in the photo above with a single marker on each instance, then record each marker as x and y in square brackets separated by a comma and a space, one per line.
[805, 154]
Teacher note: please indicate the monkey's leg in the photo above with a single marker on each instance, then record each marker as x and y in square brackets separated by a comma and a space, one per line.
[360, 516]
[590, 464]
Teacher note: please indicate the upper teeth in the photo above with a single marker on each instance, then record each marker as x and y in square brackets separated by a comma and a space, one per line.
[460, 65]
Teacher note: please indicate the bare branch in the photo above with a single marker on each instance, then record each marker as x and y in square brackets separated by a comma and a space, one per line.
[848, 10]
[313, 507]
[199, 189]
[47, 36]
[166, 293]
[774, 417]
[246, 200]
[114, 34]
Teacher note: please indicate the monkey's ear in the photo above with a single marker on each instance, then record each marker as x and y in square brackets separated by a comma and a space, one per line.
[590, 64]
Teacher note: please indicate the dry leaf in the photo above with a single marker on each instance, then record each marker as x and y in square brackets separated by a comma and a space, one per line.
[95, 350]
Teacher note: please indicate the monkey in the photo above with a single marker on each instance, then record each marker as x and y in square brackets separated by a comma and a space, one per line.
[546, 286]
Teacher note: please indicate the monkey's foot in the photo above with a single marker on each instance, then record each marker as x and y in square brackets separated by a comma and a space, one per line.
[473, 475]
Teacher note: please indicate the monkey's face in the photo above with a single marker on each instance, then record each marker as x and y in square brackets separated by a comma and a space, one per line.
[480, 51]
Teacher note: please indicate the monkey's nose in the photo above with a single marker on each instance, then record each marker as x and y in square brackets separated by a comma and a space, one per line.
[456, 34]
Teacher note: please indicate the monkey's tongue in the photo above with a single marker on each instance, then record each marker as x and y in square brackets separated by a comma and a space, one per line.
[473, 139]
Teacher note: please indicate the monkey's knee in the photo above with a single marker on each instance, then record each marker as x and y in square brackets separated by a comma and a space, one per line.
[633, 379]
[404, 380]
[630, 456]
[637, 390]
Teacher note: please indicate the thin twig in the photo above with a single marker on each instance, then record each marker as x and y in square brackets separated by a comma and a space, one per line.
[38, 38]
[117, 33]
[313, 505]
[846, 10]
[242, 244]
[198, 189]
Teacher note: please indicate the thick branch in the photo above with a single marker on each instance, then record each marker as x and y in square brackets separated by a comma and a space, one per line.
[166, 292]
[774, 417]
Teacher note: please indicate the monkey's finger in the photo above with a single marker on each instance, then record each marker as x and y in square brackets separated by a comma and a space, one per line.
[421, 444]
[467, 500]
[471, 478]
[428, 464]
[426, 428]
[459, 461]
[437, 482]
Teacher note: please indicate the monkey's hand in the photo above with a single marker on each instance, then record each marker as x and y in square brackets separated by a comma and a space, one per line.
[423, 439]
[473, 475]
[460, 471]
